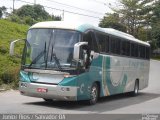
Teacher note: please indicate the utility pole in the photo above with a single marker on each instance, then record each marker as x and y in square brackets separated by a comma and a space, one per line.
[34, 2]
[63, 15]
[13, 5]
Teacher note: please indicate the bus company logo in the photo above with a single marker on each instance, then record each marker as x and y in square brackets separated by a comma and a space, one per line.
[150, 117]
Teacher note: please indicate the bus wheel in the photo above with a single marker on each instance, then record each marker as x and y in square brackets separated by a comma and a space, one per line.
[136, 88]
[47, 100]
[94, 94]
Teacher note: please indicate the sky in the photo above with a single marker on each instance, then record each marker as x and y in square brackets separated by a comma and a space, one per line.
[96, 9]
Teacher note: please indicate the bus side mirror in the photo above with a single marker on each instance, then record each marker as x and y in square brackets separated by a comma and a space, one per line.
[12, 45]
[77, 46]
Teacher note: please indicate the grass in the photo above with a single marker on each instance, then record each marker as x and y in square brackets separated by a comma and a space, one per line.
[9, 66]
[156, 57]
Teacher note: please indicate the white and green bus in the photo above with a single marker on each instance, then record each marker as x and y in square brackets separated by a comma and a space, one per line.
[72, 62]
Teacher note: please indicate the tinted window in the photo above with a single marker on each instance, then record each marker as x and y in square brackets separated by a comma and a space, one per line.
[112, 45]
[128, 48]
[107, 44]
[118, 46]
[125, 48]
[115, 45]
[134, 50]
[103, 42]
[92, 43]
[101, 38]
[141, 51]
[147, 53]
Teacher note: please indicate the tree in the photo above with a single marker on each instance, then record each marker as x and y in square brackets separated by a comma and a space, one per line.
[134, 14]
[156, 12]
[56, 18]
[112, 21]
[2, 11]
[37, 12]
[155, 23]
[30, 14]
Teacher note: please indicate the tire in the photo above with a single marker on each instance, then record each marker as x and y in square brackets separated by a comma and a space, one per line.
[47, 100]
[136, 89]
[94, 93]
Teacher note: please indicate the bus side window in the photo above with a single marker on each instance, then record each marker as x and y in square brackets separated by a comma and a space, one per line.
[147, 53]
[92, 43]
[118, 46]
[136, 50]
[123, 47]
[113, 45]
[133, 50]
[107, 43]
[128, 48]
[141, 51]
[87, 37]
[101, 42]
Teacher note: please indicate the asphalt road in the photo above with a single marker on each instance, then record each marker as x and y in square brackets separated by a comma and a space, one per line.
[148, 101]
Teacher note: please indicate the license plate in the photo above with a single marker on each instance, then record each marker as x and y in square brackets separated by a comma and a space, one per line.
[42, 90]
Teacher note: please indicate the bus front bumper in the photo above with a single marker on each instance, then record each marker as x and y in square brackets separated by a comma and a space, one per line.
[46, 91]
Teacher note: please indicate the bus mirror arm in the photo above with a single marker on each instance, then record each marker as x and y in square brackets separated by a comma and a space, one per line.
[12, 44]
[76, 53]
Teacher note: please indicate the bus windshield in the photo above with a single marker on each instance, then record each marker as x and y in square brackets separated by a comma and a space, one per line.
[50, 48]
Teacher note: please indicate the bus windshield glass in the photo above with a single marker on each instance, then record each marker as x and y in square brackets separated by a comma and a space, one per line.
[50, 48]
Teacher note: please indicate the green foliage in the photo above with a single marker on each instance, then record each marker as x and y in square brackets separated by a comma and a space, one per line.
[156, 33]
[156, 12]
[112, 21]
[25, 20]
[1, 82]
[9, 66]
[2, 11]
[144, 34]
[28, 20]
[135, 16]
[14, 18]
[155, 23]
[56, 18]
[3, 49]
[31, 14]
[34, 11]
[156, 57]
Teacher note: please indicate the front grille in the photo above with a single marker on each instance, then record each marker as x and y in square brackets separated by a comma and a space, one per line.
[44, 83]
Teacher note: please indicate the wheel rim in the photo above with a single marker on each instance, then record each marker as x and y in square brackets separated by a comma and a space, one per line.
[94, 94]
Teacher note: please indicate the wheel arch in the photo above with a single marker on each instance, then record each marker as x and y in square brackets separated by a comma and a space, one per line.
[99, 87]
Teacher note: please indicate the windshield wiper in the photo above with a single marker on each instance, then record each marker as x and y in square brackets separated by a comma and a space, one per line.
[56, 59]
[39, 56]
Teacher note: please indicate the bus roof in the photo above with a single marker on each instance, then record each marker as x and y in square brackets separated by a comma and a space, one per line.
[120, 34]
[84, 27]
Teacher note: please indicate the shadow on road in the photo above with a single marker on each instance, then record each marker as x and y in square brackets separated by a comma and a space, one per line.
[104, 104]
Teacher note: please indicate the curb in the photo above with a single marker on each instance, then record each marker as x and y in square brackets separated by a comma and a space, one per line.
[1, 90]
[155, 60]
